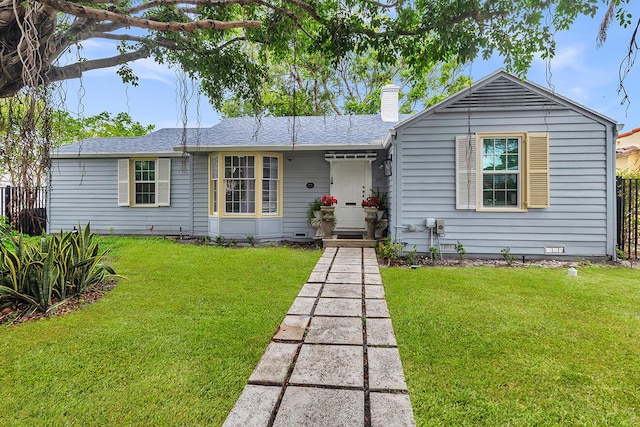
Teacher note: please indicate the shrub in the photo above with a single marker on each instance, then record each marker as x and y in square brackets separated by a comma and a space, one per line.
[388, 250]
[462, 252]
[435, 254]
[63, 265]
[508, 256]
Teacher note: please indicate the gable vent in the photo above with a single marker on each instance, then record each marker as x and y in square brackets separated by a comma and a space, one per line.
[503, 94]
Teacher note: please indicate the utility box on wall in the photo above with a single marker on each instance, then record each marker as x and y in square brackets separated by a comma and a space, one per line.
[440, 227]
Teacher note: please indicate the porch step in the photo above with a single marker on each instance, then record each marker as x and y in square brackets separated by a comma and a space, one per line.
[348, 241]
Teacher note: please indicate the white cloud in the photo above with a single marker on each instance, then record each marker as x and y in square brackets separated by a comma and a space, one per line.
[148, 69]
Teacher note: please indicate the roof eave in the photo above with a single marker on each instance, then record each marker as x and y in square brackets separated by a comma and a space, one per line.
[376, 144]
[79, 155]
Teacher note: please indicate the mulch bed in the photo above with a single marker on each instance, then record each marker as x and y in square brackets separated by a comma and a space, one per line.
[425, 261]
[20, 313]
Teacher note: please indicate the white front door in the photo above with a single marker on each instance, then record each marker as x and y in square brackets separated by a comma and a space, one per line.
[350, 183]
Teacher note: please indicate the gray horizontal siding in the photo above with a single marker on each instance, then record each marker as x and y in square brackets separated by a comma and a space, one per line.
[86, 191]
[200, 194]
[302, 168]
[576, 219]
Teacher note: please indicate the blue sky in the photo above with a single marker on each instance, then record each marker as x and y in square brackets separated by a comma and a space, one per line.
[580, 71]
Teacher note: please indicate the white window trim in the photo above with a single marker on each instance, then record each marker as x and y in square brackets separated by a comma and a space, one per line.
[520, 172]
[126, 185]
[219, 211]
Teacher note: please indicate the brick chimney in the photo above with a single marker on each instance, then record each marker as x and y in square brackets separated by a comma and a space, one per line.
[389, 104]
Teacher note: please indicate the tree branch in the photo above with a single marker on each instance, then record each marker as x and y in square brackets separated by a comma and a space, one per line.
[74, 71]
[105, 15]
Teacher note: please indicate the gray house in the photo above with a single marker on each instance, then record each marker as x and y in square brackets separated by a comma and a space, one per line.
[503, 163]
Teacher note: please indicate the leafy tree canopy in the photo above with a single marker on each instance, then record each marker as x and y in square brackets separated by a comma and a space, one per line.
[306, 85]
[227, 44]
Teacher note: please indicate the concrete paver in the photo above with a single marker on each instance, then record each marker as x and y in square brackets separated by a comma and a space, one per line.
[292, 328]
[307, 406]
[391, 409]
[313, 371]
[329, 365]
[318, 276]
[344, 278]
[341, 307]
[302, 305]
[380, 332]
[377, 308]
[335, 290]
[254, 407]
[373, 291]
[346, 268]
[273, 367]
[385, 369]
[372, 279]
[335, 330]
[310, 290]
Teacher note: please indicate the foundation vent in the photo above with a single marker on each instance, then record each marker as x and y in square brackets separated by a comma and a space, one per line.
[554, 250]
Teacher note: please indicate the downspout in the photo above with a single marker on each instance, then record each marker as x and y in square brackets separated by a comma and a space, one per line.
[397, 177]
[612, 193]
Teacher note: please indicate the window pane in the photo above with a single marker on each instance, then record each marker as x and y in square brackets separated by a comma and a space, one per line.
[501, 168]
[239, 184]
[270, 185]
[214, 184]
[144, 182]
[500, 190]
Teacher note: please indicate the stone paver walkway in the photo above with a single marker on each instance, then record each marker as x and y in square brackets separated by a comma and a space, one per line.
[334, 359]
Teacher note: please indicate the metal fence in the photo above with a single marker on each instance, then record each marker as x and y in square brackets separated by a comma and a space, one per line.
[628, 205]
[25, 208]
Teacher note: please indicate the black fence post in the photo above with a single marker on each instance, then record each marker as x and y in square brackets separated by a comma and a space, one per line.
[619, 212]
[7, 203]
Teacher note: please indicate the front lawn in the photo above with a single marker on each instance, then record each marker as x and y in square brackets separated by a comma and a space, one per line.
[505, 346]
[173, 344]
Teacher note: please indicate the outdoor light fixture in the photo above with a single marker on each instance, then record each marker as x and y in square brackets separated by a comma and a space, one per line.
[387, 167]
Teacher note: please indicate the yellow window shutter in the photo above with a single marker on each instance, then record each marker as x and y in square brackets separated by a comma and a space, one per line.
[164, 182]
[538, 170]
[466, 172]
[123, 182]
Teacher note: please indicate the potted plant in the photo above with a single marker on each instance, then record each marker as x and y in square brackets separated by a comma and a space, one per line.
[327, 203]
[378, 199]
[328, 218]
[314, 211]
[370, 205]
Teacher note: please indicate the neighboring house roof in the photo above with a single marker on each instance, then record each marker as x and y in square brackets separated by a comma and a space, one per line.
[488, 94]
[627, 134]
[246, 133]
[627, 144]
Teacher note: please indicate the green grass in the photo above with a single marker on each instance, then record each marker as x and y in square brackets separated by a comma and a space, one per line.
[506, 346]
[173, 344]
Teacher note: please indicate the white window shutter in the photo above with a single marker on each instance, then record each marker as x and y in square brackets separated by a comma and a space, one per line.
[538, 170]
[123, 182]
[164, 182]
[466, 172]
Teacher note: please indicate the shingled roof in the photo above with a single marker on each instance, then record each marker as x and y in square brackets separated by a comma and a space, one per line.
[274, 133]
